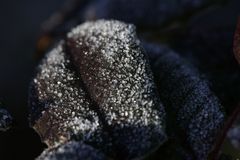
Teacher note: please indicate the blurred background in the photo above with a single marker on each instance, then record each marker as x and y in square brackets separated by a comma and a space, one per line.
[20, 27]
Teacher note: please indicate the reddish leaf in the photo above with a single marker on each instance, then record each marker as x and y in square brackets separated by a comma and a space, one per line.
[236, 45]
[228, 124]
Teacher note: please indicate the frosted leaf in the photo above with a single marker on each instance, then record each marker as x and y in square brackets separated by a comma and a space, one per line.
[233, 134]
[72, 151]
[117, 76]
[60, 110]
[208, 43]
[197, 110]
[5, 120]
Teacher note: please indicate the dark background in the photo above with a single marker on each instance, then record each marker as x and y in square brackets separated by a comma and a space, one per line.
[20, 27]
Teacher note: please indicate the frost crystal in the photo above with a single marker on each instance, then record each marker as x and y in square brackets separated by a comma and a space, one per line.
[233, 133]
[117, 76]
[60, 109]
[5, 120]
[197, 110]
[73, 151]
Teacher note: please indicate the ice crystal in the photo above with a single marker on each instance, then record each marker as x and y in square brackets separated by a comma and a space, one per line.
[72, 150]
[117, 75]
[197, 110]
[60, 109]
